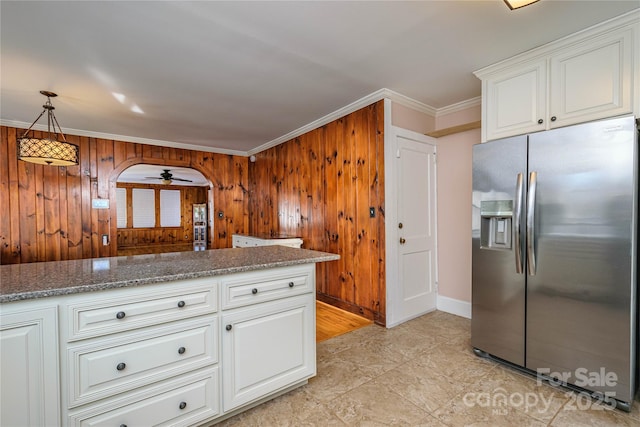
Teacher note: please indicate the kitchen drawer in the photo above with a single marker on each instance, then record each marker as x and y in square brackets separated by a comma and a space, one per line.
[123, 310]
[266, 285]
[158, 405]
[104, 367]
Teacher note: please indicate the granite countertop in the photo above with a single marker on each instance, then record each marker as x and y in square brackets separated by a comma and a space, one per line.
[45, 279]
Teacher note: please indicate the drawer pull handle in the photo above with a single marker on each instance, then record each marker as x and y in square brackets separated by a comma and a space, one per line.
[181, 350]
[291, 284]
[254, 291]
[228, 328]
[181, 304]
[183, 405]
[120, 315]
[121, 366]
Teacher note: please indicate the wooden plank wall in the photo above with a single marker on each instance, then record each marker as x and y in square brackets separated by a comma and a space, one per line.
[46, 211]
[320, 187]
[130, 236]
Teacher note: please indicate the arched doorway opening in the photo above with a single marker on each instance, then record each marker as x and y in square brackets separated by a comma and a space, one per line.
[162, 208]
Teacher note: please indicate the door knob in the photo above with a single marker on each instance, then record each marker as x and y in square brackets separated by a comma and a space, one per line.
[402, 241]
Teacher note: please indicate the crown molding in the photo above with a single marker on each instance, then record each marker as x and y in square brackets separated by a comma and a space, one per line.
[367, 100]
[124, 138]
[628, 18]
[459, 106]
[405, 101]
[335, 115]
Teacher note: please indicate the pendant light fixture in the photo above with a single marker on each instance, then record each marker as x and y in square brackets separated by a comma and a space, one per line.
[517, 4]
[52, 150]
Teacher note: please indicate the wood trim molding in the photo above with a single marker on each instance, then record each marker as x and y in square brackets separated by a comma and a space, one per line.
[454, 129]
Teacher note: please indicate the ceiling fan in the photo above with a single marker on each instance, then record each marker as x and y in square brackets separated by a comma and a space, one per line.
[167, 177]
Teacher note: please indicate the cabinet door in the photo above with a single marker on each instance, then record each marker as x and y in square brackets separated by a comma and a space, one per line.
[514, 102]
[29, 368]
[592, 81]
[266, 348]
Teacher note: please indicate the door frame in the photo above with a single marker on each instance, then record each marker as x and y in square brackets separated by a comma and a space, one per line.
[391, 214]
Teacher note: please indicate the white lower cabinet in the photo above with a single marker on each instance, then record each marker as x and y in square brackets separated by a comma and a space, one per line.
[142, 356]
[181, 353]
[267, 347]
[29, 365]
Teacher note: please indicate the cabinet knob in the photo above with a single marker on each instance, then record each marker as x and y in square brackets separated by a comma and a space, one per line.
[121, 366]
[181, 304]
[554, 118]
[254, 291]
[228, 328]
[291, 284]
[120, 315]
[181, 350]
[540, 121]
[123, 425]
[182, 405]
[400, 225]
[403, 241]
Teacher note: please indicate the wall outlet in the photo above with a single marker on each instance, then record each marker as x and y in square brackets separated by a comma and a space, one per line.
[100, 203]
[105, 240]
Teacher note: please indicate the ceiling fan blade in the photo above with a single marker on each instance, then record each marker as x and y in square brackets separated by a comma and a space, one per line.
[181, 179]
[153, 177]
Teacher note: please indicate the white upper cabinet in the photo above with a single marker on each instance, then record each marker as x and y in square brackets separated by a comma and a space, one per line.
[583, 77]
[591, 80]
[516, 101]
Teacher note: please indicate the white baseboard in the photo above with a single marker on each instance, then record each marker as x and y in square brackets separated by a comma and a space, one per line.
[454, 306]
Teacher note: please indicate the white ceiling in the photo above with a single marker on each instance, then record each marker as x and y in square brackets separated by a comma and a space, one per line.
[236, 76]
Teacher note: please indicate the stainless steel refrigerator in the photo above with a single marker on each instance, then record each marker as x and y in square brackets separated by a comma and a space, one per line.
[555, 217]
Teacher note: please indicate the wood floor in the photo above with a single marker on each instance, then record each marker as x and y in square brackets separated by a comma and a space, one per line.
[331, 321]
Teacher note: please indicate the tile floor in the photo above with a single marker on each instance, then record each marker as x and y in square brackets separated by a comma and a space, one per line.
[423, 373]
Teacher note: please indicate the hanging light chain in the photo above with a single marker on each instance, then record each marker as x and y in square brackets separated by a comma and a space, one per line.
[52, 121]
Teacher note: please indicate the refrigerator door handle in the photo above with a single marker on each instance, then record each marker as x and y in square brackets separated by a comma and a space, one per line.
[517, 221]
[531, 208]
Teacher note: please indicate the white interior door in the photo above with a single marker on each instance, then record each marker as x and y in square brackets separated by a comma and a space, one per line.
[415, 169]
